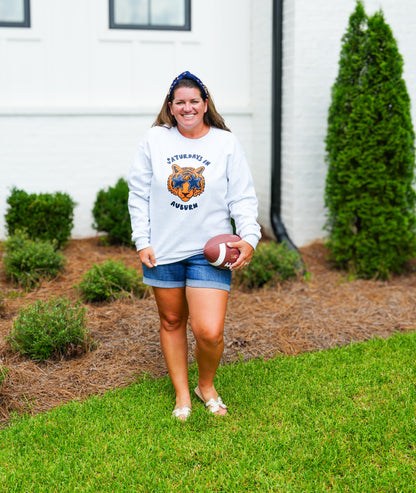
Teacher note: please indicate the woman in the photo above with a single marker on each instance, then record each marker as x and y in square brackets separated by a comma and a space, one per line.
[189, 177]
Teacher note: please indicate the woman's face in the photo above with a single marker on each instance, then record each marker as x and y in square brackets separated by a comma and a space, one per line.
[188, 108]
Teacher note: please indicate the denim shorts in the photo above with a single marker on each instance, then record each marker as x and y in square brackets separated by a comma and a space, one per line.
[194, 271]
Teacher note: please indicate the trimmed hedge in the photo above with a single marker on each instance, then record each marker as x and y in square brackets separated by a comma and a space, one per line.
[111, 213]
[271, 263]
[43, 216]
[109, 281]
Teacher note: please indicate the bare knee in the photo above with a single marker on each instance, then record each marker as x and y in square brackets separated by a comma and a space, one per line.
[211, 338]
[170, 323]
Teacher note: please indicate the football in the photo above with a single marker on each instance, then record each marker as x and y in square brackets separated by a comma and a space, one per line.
[218, 253]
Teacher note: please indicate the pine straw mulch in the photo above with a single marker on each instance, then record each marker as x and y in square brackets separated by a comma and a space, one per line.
[298, 316]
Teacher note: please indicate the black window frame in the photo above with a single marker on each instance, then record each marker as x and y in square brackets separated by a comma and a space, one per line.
[151, 27]
[26, 20]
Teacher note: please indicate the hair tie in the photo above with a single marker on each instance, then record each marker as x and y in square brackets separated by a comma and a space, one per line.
[187, 75]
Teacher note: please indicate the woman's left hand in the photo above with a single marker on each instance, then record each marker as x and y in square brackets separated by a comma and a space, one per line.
[246, 252]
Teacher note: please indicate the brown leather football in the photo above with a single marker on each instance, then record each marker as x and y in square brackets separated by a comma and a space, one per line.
[218, 253]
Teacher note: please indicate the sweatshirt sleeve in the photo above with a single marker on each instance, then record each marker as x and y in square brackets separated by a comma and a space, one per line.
[140, 178]
[241, 197]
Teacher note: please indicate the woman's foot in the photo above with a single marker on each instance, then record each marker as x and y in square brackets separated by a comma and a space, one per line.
[181, 413]
[214, 404]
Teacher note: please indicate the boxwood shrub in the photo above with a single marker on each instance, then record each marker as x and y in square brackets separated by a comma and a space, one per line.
[271, 263]
[43, 216]
[111, 214]
[109, 281]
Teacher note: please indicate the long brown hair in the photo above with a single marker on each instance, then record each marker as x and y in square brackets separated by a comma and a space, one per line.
[211, 118]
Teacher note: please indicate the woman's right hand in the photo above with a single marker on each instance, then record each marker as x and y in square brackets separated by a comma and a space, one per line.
[147, 257]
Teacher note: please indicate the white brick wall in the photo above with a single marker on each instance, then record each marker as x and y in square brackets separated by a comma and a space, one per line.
[76, 97]
[261, 78]
[76, 154]
[312, 44]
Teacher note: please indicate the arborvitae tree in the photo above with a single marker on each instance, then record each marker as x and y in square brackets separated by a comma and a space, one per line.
[346, 86]
[371, 157]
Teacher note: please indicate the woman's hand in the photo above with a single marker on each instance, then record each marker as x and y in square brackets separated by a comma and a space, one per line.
[246, 252]
[147, 257]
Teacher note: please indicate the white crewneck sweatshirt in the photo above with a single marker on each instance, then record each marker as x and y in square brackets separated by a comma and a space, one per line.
[184, 191]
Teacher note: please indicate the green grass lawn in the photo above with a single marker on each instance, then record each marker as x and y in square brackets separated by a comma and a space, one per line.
[337, 420]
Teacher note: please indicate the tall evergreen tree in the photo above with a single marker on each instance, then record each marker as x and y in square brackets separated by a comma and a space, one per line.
[370, 152]
[345, 92]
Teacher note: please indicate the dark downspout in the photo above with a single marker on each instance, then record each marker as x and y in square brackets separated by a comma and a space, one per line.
[277, 69]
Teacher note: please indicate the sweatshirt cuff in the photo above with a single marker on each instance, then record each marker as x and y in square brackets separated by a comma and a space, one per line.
[142, 243]
[252, 240]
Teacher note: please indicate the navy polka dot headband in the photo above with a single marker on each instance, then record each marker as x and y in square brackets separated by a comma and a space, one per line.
[187, 75]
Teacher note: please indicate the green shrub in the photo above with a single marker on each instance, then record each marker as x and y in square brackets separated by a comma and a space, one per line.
[111, 213]
[3, 373]
[55, 328]
[109, 281]
[271, 263]
[370, 154]
[43, 216]
[27, 261]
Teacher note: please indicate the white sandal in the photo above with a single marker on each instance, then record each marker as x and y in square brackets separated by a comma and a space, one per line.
[184, 411]
[214, 405]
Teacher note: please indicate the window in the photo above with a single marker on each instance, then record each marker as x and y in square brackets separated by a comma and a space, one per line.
[14, 13]
[150, 14]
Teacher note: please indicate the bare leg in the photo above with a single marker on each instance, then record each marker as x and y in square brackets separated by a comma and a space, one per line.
[173, 313]
[207, 309]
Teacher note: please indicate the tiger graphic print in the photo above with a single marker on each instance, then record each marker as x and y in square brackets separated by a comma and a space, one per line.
[186, 182]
